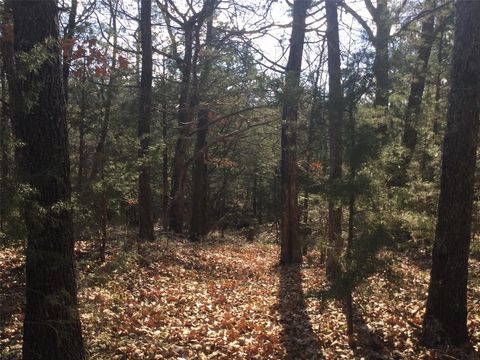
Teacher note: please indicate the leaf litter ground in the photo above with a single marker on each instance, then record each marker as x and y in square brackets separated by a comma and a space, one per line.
[230, 300]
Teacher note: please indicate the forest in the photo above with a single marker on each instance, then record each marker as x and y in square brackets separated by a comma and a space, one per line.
[239, 179]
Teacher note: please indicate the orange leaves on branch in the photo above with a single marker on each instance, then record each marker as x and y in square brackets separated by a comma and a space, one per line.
[101, 71]
[79, 53]
[7, 33]
[67, 45]
[223, 163]
[122, 63]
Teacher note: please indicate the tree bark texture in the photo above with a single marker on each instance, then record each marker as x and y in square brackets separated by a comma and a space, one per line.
[445, 320]
[335, 124]
[52, 327]
[145, 205]
[291, 249]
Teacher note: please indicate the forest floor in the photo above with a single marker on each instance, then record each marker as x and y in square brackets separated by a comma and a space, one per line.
[228, 299]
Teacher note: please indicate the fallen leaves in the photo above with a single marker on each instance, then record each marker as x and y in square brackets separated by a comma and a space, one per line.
[230, 301]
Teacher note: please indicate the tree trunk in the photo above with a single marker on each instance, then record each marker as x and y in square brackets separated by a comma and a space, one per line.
[165, 168]
[315, 112]
[145, 117]
[52, 327]
[177, 206]
[382, 62]
[335, 124]
[438, 85]
[198, 224]
[4, 165]
[414, 106]
[291, 249]
[199, 219]
[445, 320]
[69, 37]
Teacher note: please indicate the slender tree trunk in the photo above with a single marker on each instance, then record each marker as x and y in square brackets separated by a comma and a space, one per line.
[414, 105]
[52, 327]
[351, 217]
[313, 119]
[8, 82]
[179, 176]
[145, 116]
[381, 63]
[165, 168]
[4, 165]
[199, 219]
[445, 320]
[100, 156]
[81, 136]
[69, 37]
[438, 84]
[291, 249]
[335, 119]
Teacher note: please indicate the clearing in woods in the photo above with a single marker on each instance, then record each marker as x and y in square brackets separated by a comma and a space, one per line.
[230, 300]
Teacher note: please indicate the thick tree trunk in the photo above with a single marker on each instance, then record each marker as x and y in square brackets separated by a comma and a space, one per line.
[145, 118]
[291, 249]
[445, 320]
[52, 325]
[335, 124]
[198, 224]
[199, 218]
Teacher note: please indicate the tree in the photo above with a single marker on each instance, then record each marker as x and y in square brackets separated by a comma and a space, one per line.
[144, 120]
[185, 112]
[445, 320]
[382, 18]
[291, 252]
[417, 87]
[335, 124]
[52, 327]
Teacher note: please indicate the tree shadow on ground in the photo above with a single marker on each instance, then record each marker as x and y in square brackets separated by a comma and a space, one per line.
[298, 337]
[366, 342]
[12, 289]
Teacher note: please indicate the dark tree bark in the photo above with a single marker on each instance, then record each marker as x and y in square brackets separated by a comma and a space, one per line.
[165, 168]
[315, 114]
[179, 176]
[382, 19]
[52, 327]
[381, 64]
[6, 48]
[335, 124]
[438, 83]
[199, 223]
[81, 141]
[144, 121]
[69, 37]
[414, 105]
[291, 248]
[185, 116]
[100, 156]
[445, 320]
[4, 162]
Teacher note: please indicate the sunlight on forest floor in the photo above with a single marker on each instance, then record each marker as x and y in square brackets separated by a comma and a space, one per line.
[230, 300]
